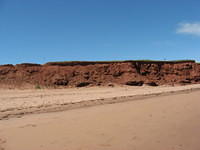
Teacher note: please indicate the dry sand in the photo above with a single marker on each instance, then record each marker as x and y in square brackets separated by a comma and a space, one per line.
[20, 102]
[166, 122]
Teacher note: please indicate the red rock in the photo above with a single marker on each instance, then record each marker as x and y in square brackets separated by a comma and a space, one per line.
[71, 74]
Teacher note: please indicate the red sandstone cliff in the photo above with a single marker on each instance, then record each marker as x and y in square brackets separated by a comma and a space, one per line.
[78, 74]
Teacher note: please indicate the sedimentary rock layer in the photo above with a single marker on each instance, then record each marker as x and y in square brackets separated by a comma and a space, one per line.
[79, 74]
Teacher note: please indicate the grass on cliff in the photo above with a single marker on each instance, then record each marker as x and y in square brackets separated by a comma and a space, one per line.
[115, 61]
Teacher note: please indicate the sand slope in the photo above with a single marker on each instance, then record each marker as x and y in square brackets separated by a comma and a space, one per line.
[159, 123]
[15, 103]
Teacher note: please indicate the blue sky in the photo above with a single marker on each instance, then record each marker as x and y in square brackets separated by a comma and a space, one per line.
[39, 31]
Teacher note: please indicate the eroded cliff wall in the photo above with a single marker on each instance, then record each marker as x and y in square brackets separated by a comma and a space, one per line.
[78, 74]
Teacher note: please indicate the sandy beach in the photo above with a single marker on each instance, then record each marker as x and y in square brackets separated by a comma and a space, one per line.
[99, 75]
[166, 118]
[16, 103]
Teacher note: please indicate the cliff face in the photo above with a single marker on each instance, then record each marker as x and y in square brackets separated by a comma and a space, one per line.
[79, 74]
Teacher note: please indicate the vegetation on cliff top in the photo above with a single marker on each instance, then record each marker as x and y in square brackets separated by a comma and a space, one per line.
[63, 63]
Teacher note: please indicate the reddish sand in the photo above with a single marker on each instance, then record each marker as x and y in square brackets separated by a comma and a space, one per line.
[169, 122]
[16, 103]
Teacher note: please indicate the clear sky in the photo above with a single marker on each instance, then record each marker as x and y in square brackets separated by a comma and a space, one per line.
[39, 31]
